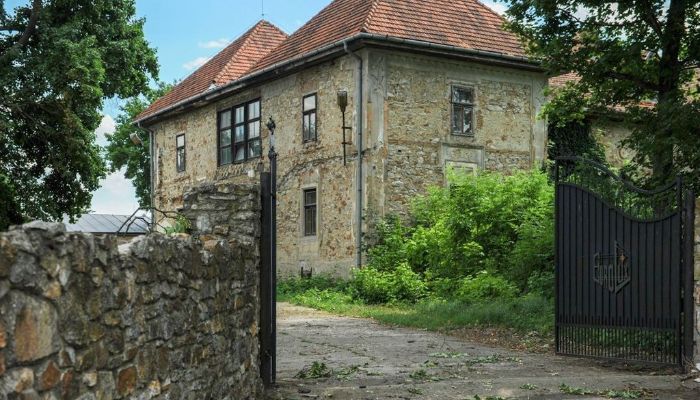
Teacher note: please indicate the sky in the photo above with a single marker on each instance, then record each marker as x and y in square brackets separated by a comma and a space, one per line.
[186, 34]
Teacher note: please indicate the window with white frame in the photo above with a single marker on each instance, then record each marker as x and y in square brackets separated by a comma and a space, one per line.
[462, 100]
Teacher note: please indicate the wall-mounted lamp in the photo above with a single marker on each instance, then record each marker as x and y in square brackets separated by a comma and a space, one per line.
[136, 139]
[343, 105]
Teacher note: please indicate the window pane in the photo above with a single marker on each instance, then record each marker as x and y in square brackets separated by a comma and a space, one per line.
[180, 159]
[225, 137]
[225, 119]
[307, 122]
[310, 103]
[255, 148]
[240, 152]
[225, 155]
[240, 114]
[254, 110]
[312, 127]
[254, 129]
[240, 133]
[309, 197]
[310, 221]
[462, 95]
[180, 140]
[467, 122]
[457, 118]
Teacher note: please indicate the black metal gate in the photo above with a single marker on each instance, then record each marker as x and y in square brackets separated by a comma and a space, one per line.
[624, 267]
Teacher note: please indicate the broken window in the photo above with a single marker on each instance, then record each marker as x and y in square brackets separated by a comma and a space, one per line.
[309, 117]
[310, 212]
[462, 111]
[180, 153]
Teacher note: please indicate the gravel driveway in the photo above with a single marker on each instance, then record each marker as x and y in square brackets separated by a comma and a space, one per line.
[361, 359]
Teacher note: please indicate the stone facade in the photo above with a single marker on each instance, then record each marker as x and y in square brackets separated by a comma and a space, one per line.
[407, 144]
[160, 317]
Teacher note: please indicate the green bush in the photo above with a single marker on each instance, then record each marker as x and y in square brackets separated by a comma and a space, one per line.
[373, 286]
[493, 222]
[485, 286]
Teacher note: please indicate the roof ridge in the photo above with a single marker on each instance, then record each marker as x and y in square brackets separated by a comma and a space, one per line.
[492, 11]
[245, 41]
[370, 14]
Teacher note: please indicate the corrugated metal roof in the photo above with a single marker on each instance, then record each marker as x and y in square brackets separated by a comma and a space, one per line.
[108, 223]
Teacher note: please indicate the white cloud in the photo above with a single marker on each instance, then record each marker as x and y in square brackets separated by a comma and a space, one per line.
[499, 7]
[116, 195]
[196, 63]
[214, 44]
[107, 127]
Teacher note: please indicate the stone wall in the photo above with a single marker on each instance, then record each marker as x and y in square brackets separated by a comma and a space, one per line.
[160, 317]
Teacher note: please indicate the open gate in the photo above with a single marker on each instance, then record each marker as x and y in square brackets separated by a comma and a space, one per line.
[624, 267]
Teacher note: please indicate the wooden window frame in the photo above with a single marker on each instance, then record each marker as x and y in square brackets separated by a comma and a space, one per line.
[180, 167]
[311, 206]
[305, 113]
[247, 140]
[462, 106]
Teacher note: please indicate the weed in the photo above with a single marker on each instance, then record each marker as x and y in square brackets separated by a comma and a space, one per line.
[451, 354]
[415, 391]
[419, 374]
[609, 393]
[317, 370]
[528, 386]
[346, 373]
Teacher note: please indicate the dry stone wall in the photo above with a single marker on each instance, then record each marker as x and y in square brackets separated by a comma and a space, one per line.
[159, 317]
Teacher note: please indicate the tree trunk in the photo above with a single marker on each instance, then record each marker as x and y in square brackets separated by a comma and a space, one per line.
[669, 90]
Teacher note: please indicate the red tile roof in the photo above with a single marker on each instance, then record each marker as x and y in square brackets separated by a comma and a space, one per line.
[466, 24]
[227, 66]
[563, 79]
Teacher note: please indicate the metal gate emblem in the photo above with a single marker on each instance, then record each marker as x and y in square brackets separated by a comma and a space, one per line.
[612, 271]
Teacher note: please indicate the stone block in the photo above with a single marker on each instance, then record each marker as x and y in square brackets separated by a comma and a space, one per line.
[49, 377]
[126, 381]
[32, 326]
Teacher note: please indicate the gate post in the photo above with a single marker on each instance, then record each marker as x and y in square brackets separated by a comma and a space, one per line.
[689, 279]
[268, 272]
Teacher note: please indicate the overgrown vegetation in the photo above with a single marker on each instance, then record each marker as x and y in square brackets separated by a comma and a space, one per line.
[479, 252]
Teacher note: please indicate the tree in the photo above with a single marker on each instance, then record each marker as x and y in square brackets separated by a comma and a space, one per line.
[59, 60]
[639, 57]
[121, 151]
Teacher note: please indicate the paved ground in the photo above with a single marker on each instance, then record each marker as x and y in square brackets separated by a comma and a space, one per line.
[367, 360]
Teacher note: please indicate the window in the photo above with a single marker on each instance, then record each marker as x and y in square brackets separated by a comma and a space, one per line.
[309, 117]
[462, 111]
[180, 153]
[239, 133]
[310, 212]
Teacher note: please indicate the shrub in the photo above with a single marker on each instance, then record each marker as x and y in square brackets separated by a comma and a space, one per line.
[373, 286]
[389, 247]
[485, 286]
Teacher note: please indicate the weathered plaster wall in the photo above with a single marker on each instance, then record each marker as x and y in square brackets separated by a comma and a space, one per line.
[300, 165]
[611, 134]
[160, 317]
[412, 95]
[697, 282]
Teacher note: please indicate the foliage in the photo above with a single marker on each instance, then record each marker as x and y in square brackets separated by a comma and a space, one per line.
[484, 287]
[58, 61]
[501, 224]
[636, 57]
[181, 225]
[121, 152]
[299, 285]
[374, 286]
[316, 370]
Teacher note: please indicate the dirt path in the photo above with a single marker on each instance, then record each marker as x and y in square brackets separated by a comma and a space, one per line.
[367, 360]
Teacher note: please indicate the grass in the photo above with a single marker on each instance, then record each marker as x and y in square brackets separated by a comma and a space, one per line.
[525, 314]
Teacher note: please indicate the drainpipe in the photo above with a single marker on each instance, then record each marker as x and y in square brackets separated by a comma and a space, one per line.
[151, 152]
[360, 120]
